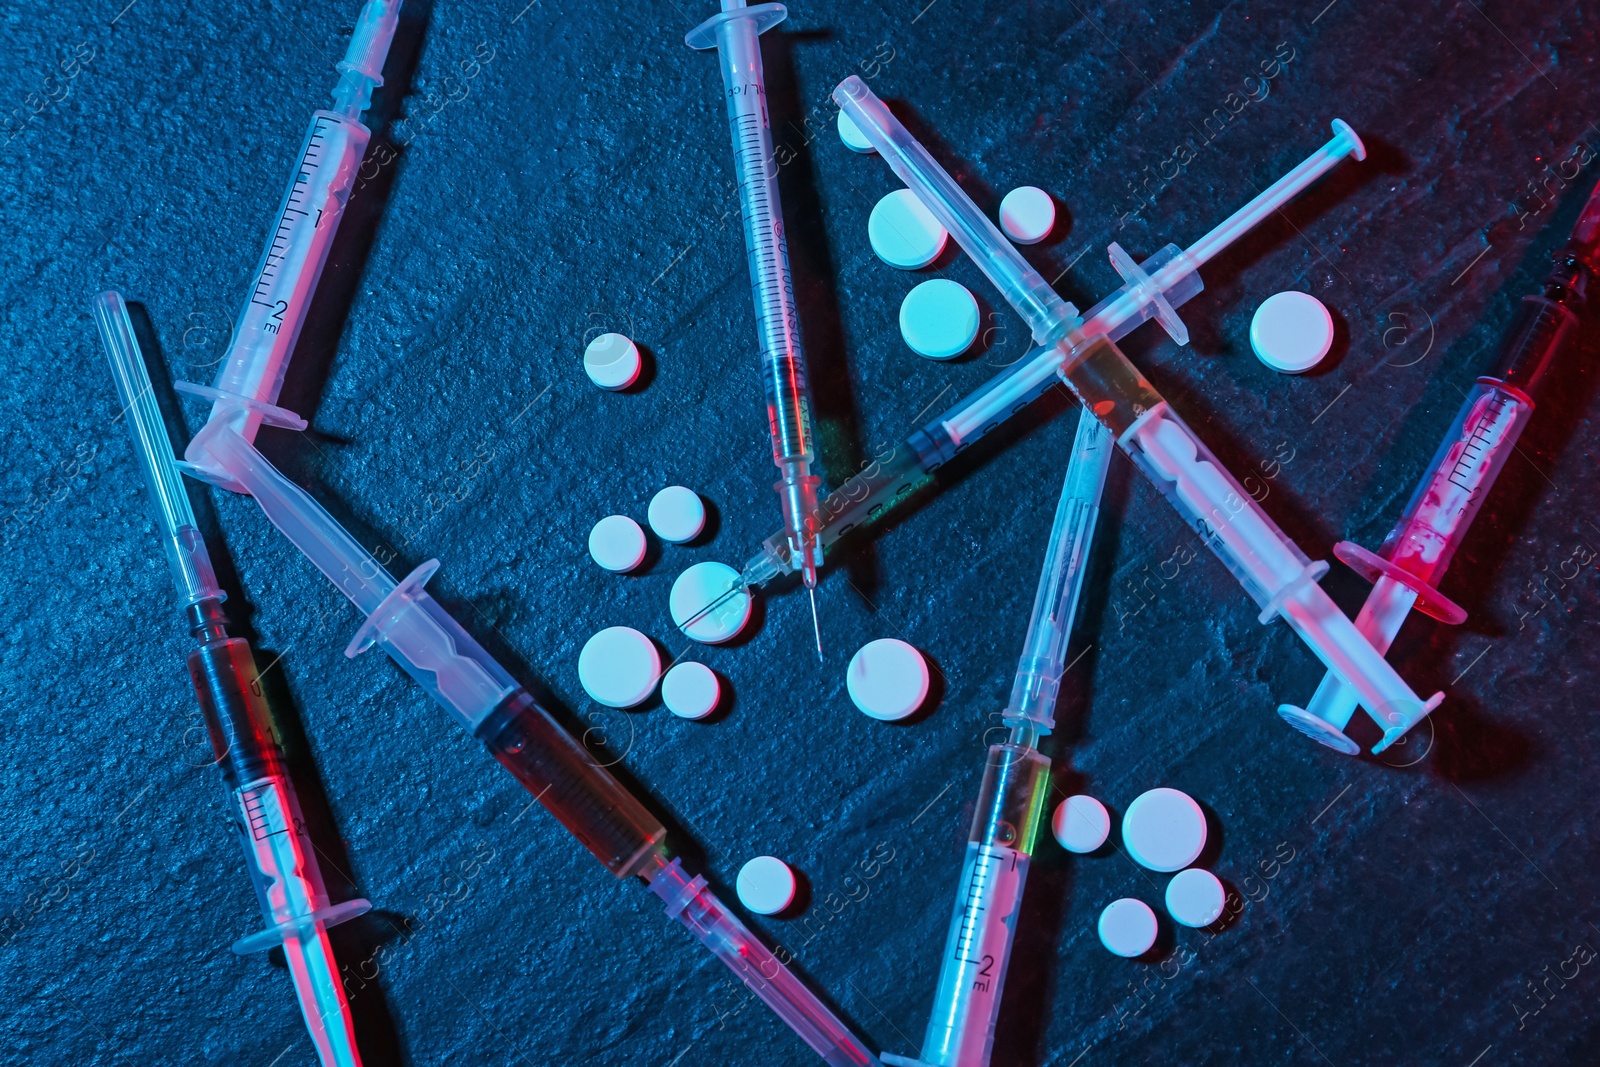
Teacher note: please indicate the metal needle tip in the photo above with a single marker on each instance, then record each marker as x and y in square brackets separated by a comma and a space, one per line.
[816, 627]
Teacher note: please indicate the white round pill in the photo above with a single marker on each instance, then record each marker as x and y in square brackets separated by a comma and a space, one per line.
[1027, 214]
[1195, 897]
[1291, 332]
[619, 666]
[691, 690]
[939, 319]
[904, 233]
[887, 679]
[612, 361]
[701, 585]
[1080, 823]
[677, 514]
[850, 134]
[765, 885]
[617, 543]
[1164, 829]
[1128, 927]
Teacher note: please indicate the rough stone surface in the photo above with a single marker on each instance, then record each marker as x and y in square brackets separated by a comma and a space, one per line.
[579, 183]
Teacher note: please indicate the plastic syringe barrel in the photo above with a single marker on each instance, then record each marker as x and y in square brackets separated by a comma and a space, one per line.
[266, 817]
[983, 924]
[1269, 566]
[894, 472]
[1544, 330]
[460, 675]
[245, 391]
[585, 797]
[735, 35]
[423, 638]
[266, 813]
[689, 901]
[977, 952]
[1415, 555]
[1038, 680]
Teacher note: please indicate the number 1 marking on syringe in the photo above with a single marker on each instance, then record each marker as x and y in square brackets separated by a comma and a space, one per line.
[309, 163]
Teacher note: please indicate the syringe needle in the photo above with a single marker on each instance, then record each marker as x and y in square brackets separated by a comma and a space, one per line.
[713, 606]
[816, 627]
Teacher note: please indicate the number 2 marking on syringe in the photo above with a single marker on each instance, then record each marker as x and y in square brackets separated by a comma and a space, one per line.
[984, 973]
[275, 320]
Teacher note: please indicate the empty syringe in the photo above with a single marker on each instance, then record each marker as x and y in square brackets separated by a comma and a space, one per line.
[245, 393]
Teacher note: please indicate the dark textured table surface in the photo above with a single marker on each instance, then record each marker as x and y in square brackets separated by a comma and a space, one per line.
[1408, 909]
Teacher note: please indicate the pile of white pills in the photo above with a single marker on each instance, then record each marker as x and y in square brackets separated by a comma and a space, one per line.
[1162, 830]
[620, 666]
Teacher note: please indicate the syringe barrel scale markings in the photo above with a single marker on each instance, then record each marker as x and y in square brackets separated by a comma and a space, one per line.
[734, 33]
[278, 855]
[245, 391]
[1409, 565]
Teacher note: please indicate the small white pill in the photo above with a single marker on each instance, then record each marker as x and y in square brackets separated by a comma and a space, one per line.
[939, 319]
[1080, 823]
[617, 543]
[1128, 927]
[619, 666]
[765, 885]
[677, 514]
[850, 134]
[701, 585]
[1291, 332]
[904, 233]
[887, 679]
[691, 690]
[1027, 215]
[1164, 829]
[612, 361]
[1195, 897]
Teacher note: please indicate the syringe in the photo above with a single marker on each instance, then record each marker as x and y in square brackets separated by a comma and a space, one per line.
[432, 647]
[1154, 289]
[1016, 780]
[1272, 569]
[734, 34]
[278, 854]
[1408, 566]
[245, 393]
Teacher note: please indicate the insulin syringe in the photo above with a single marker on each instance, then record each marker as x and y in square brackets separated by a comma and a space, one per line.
[1016, 781]
[1272, 569]
[263, 808]
[1406, 569]
[409, 625]
[245, 393]
[734, 33]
